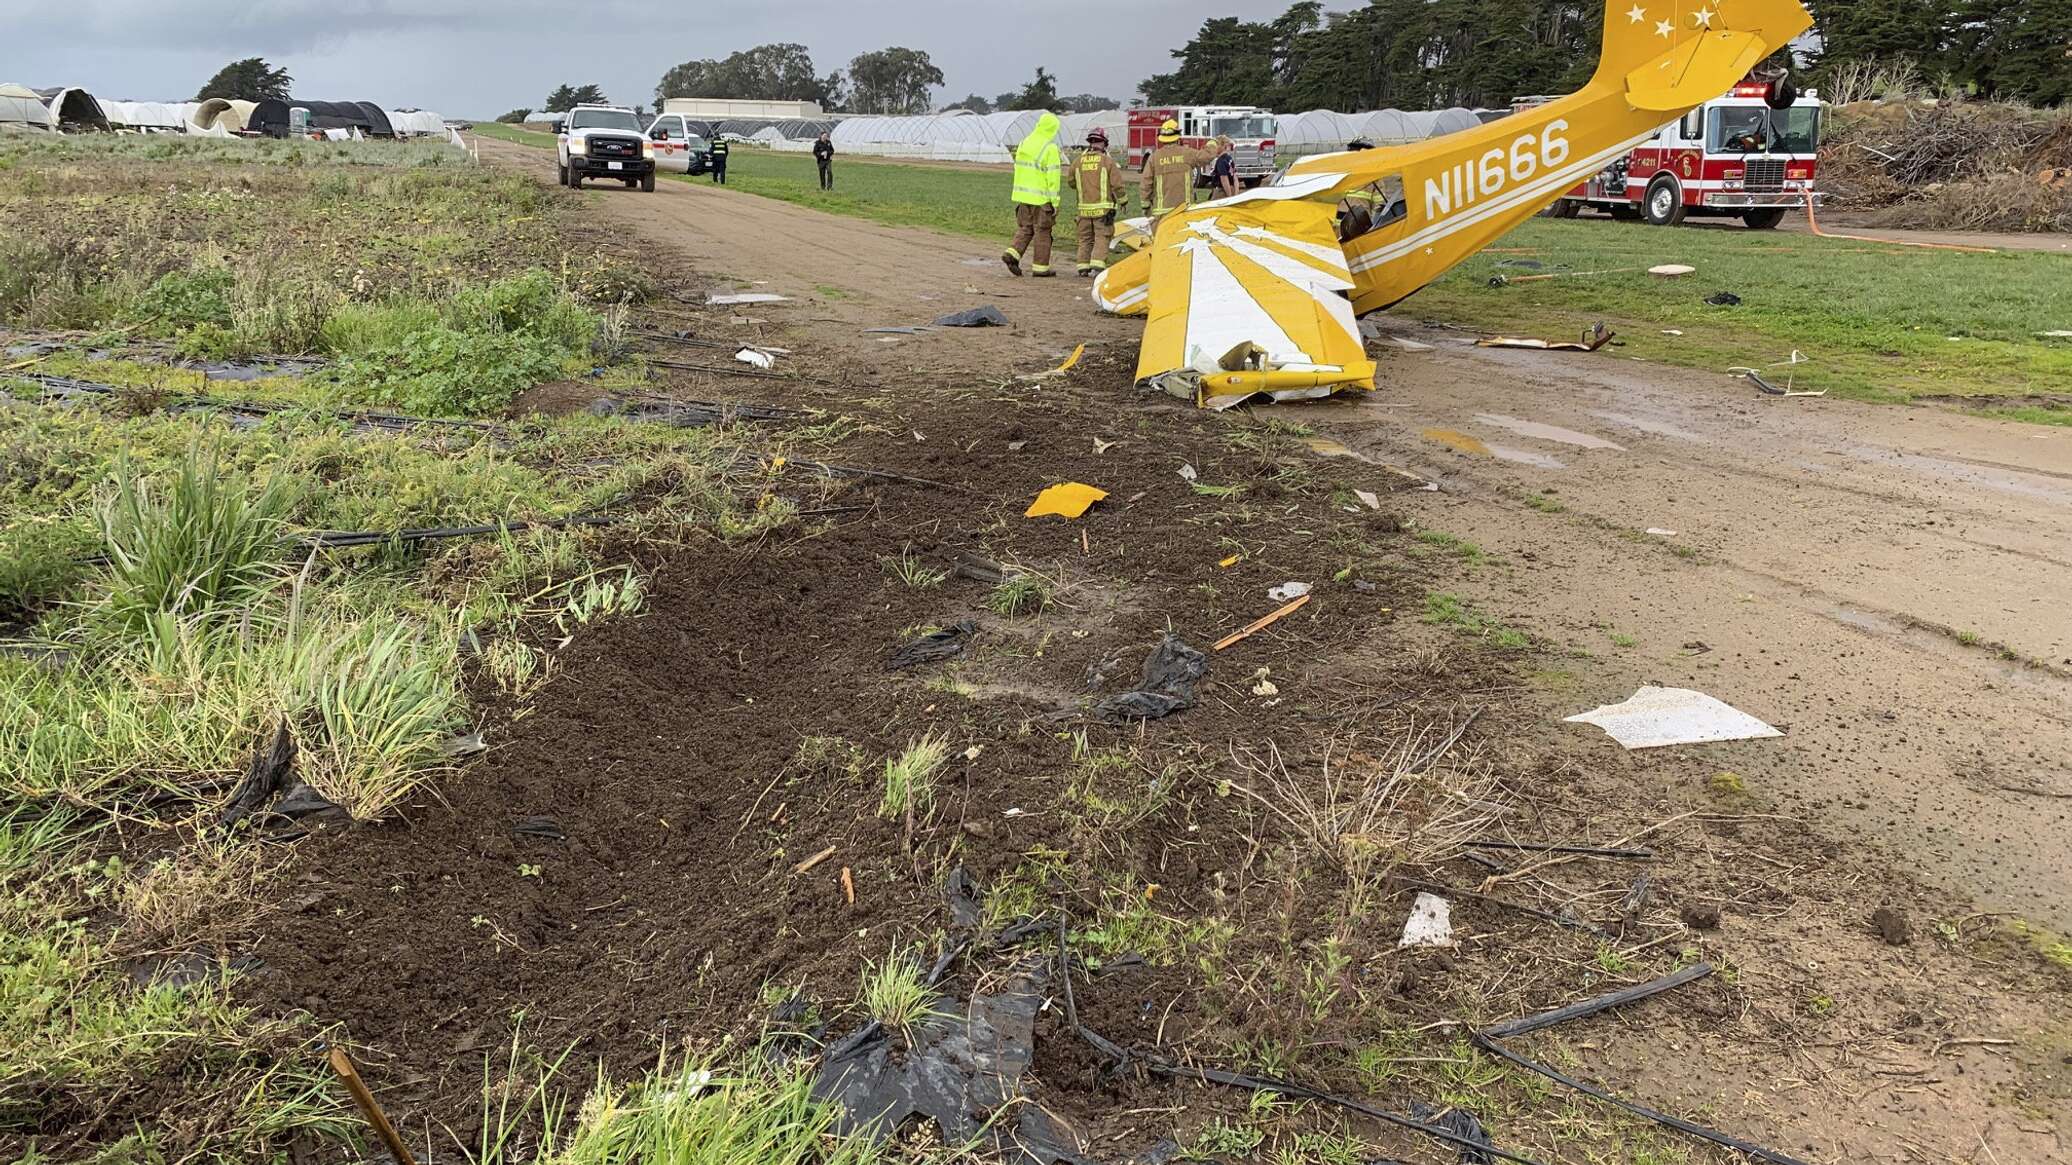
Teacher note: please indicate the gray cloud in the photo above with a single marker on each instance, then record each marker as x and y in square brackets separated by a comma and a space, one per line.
[478, 58]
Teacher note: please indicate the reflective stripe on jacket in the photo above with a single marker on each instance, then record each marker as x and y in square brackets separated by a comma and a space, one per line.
[1094, 180]
[1038, 180]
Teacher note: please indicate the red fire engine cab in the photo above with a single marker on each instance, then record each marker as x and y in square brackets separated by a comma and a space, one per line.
[1747, 155]
[1251, 131]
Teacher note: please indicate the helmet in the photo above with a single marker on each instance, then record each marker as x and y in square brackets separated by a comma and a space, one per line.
[1097, 134]
[1170, 131]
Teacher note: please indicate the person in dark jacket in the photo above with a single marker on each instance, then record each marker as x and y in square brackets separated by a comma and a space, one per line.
[718, 158]
[824, 155]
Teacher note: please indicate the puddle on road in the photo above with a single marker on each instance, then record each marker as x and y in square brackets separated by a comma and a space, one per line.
[1555, 433]
[1457, 441]
[1658, 428]
[1331, 448]
[1475, 446]
[1525, 457]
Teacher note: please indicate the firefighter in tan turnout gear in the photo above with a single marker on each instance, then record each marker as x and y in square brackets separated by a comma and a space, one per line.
[1097, 184]
[1169, 170]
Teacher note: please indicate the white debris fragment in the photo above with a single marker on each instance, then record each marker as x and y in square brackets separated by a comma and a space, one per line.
[1288, 592]
[715, 299]
[1369, 500]
[1657, 716]
[1411, 345]
[1430, 923]
[1264, 686]
[756, 357]
[1671, 270]
[1661, 532]
[1187, 472]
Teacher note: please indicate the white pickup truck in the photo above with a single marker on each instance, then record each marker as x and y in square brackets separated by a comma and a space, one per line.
[605, 141]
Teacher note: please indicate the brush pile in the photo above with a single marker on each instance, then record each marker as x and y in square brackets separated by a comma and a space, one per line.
[1951, 166]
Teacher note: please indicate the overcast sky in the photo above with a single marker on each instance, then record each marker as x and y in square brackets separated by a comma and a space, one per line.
[478, 58]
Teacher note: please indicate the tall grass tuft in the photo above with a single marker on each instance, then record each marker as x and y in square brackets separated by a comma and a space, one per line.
[200, 543]
[910, 778]
[894, 993]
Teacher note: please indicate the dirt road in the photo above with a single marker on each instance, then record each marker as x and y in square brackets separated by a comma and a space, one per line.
[1885, 583]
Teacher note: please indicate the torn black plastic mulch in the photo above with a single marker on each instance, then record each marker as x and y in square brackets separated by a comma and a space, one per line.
[267, 776]
[978, 317]
[1171, 673]
[933, 647]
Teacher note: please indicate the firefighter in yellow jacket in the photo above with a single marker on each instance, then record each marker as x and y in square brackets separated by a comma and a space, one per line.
[1169, 170]
[1038, 186]
[1097, 184]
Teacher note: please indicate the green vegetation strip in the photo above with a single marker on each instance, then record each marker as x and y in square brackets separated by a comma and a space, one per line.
[157, 617]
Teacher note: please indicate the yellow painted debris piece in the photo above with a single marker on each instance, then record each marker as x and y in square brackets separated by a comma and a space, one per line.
[1067, 499]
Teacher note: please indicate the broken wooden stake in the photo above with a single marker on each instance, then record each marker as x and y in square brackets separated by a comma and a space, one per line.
[815, 860]
[369, 1108]
[848, 886]
[1259, 624]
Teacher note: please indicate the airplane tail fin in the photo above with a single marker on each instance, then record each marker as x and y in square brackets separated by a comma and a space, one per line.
[1674, 54]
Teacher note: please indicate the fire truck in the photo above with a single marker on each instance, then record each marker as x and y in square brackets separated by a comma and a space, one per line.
[1250, 129]
[1747, 155]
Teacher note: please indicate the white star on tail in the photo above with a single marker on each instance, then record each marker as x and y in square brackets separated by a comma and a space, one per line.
[1664, 28]
[1702, 17]
[1636, 14]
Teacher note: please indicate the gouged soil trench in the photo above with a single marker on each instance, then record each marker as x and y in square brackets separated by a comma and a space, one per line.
[666, 749]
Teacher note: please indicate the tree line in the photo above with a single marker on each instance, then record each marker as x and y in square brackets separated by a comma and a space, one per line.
[1429, 54]
[896, 80]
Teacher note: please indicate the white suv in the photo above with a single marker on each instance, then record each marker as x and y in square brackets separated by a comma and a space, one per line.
[604, 141]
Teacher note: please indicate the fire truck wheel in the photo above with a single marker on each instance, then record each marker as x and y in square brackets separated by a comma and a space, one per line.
[1765, 219]
[1665, 206]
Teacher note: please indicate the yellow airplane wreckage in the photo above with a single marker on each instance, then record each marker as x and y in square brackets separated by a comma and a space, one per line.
[1257, 295]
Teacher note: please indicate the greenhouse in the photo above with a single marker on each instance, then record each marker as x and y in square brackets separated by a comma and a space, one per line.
[20, 106]
[1324, 131]
[72, 109]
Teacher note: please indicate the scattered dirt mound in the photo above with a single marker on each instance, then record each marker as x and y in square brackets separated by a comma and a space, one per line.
[623, 866]
[1952, 166]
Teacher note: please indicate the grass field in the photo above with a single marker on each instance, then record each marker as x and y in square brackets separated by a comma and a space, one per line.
[1877, 323]
[158, 616]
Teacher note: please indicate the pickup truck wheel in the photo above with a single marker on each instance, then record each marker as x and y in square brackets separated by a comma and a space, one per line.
[575, 180]
[564, 173]
[1764, 219]
[1665, 207]
[647, 182]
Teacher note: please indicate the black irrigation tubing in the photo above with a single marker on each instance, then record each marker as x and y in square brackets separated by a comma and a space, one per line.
[1538, 847]
[258, 408]
[684, 341]
[1489, 1042]
[886, 475]
[334, 539]
[1162, 1067]
[721, 369]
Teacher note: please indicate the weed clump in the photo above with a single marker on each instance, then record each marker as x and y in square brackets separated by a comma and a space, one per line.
[910, 778]
[1019, 594]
